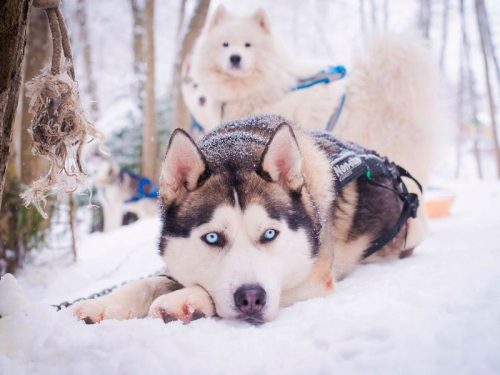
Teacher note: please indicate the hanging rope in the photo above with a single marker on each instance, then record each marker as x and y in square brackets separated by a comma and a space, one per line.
[59, 128]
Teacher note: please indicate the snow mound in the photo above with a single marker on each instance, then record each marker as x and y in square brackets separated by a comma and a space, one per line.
[435, 312]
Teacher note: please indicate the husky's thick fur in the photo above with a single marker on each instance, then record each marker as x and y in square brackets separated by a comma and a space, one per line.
[252, 222]
[392, 88]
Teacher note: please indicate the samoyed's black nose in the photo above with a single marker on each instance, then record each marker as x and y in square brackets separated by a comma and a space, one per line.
[235, 59]
[250, 299]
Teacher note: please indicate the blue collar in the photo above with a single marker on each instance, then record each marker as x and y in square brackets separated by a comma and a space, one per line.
[146, 188]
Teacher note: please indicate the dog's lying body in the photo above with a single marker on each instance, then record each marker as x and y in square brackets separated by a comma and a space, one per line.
[252, 222]
[392, 88]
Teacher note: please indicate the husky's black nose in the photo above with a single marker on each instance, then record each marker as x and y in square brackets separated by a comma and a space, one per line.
[235, 59]
[250, 299]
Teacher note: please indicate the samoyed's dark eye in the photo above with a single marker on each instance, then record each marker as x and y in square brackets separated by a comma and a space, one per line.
[247, 45]
[225, 44]
[214, 239]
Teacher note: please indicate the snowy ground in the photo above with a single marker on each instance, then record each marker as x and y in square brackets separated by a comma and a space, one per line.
[436, 312]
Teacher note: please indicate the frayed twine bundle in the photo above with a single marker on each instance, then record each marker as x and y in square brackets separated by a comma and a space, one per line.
[59, 128]
[59, 131]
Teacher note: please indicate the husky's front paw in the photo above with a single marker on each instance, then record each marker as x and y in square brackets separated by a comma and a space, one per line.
[186, 305]
[94, 310]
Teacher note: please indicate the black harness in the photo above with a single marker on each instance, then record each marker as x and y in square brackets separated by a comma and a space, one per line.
[353, 163]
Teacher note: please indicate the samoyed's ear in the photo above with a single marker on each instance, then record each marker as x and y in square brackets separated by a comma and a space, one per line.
[260, 16]
[219, 14]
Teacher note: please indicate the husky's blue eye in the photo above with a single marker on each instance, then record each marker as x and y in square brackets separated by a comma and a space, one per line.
[269, 235]
[213, 239]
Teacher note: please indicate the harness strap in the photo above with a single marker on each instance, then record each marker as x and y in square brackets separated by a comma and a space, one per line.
[195, 125]
[146, 189]
[328, 75]
[350, 165]
[410, 207]
[325, 76]
[332, 121]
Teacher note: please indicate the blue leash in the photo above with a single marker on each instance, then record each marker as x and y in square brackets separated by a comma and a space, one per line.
[329, 75]
[326, 76]
[146, 189]
[195, 125]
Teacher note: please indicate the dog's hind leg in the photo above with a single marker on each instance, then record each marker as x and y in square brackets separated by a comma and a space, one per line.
[129, 301]
[186, 305]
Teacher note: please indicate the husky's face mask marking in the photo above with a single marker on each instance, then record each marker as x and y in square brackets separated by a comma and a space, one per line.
[235, 53]
[243, 234]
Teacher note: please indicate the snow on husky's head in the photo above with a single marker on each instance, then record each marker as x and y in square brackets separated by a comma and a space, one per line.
[236, 219]
[236, 54]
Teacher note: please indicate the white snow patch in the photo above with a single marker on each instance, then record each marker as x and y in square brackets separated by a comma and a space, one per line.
[435, 312]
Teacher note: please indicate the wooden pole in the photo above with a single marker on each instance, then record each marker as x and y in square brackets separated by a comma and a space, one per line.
[13, 21]
[482, 32]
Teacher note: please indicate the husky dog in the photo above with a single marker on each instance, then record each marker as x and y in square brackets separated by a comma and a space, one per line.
[115, 191]
[391, 90]
[254, 220]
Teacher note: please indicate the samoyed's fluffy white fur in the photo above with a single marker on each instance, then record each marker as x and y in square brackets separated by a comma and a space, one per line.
[393, 103]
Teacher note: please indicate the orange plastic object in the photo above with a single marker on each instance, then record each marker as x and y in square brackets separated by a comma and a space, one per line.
[439, 207]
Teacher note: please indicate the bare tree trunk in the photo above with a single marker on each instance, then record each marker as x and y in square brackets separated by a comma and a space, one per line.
[72, 224]
[386, 14]
[467, 96]
[150, 133]
[373, 9]
[491, 45]
[444, 40]
[81, 16]
[182, 118]
[182, 15]
[424, 20]
[362, 15]
[482, 31]
[13, 20]
[36, 58]
[138, 13]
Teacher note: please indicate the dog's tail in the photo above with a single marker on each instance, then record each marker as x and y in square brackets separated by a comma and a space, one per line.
[394, 105]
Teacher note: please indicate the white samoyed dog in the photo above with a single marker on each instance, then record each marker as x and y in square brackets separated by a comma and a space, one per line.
[392, 105]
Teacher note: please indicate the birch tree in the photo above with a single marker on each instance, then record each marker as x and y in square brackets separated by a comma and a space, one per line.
[150, 138]
[83, 35]
[481, 24]
[138, 29]
[187, 38]
[424, 19]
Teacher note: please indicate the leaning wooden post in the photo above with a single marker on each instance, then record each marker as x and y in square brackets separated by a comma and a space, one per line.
[14, 15]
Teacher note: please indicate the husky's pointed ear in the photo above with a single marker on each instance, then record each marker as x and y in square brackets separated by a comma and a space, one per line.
[219, 14]
[282, 161]
[184, 167]
[260, 16]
